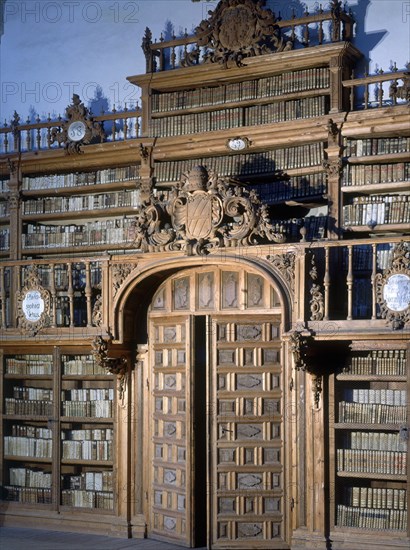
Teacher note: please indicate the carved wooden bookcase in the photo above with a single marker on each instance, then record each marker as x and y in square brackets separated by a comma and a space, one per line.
[204, 300]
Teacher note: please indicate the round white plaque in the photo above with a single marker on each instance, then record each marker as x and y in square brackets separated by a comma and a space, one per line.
[33, 306]
[396, 292]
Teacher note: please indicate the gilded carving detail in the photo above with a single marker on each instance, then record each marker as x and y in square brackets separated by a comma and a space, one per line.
[203, 212]
[237, 29]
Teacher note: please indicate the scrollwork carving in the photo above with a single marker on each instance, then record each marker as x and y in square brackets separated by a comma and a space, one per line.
[96, 317]
[299, 345]
[202, 213]
[237, 29]
[393, 288]
[33, 304]
[317, 302]
[119, 273]
[285, 264]
[117, 366]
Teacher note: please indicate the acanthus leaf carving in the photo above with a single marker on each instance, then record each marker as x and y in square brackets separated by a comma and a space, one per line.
[299, 346]
[202, 213]
[237, 29]
[285, 264]
[119, 273]
[117, 366]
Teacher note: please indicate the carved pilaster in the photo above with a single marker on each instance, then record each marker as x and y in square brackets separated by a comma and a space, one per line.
[146, 172]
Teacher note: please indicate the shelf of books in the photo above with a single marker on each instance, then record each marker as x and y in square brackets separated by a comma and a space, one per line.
[4, 216]
[84, 209]
[58, 431]
[375, 184]
[276, 98]
[369, 435]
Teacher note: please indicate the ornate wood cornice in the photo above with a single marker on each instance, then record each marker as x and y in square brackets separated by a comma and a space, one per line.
[202, 213]
[117, 366]
[237, 29]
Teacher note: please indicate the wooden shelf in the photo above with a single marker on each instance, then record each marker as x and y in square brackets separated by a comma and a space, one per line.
[83, 462]
[361, 426]
[370, 378]
[382, 228]
[371, 475]
[371, 188]
[26, 417]
[85, 420]
[28, 459]
[9, 376]
[94, 189]
[379, 159]
[81, 214]
[88, 377]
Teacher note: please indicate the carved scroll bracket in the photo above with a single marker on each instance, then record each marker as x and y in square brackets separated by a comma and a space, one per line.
[299, 345]
[113, 365]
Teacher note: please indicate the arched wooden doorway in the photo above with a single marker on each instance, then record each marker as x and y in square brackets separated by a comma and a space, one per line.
[215, 468]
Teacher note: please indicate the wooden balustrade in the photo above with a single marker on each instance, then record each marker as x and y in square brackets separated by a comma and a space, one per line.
[15, 137]
[345, 288]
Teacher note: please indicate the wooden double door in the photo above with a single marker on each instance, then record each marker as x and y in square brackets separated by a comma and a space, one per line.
[216, 463]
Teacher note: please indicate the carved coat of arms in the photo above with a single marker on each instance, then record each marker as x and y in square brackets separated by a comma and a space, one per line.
[202, 213]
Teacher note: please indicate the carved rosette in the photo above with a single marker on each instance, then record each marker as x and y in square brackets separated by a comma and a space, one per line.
[77, 112]
[33, 304]
[393, 288]
[203, 213]
[237, 29]
[117, 366]
[285, 264]
[119, 273]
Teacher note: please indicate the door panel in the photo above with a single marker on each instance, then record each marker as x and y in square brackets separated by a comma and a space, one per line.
[171, 433]
[247, 463]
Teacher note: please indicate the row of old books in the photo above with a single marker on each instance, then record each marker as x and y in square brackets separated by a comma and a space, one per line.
[27, 430]
[371, 413]
[268, 162]
[311, 185]
[376, 441]
[99, 408]
[30, 477]
[377, 210]
[5, 239]
[383, 396]
[110, 232]
[371, 518]
[81, 364]
[101, 201]
[88, 434]
[372, 462]
[4, 185]
[35, 394]
[378, 362]
[78, 179]
[368, 174]
[87, 499]
[286, 110]
[29, 364]
[87, 450]
[376, 497]
[27, 446]
[57, 276]
[4, 209]
[296, 81]
[210, 121]
[376, 146]
[85, 394]
[27, 495]
[89, 481]
[29, 407]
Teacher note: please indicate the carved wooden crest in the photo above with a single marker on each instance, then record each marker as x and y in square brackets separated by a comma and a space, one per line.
[33, 304]
[393, 288]
[202, 213]
[79, 128]
[237, 29]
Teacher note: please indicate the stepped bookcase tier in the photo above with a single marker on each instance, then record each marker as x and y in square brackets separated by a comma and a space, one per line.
[376, 168]
[58, 431]
[371, 447]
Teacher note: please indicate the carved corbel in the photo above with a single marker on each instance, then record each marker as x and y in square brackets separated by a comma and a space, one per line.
[113, 365]
[299, 345]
